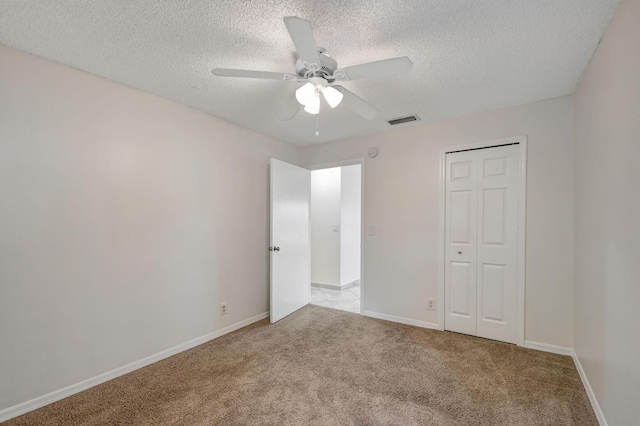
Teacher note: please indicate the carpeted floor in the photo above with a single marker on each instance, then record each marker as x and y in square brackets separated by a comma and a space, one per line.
[321, 366]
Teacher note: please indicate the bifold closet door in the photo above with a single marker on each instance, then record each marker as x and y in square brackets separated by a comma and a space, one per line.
[481, 236]
[497, 248]
[460, 235]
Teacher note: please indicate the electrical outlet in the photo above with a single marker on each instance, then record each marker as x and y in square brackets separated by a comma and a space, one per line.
[223, 308]
[431, 305]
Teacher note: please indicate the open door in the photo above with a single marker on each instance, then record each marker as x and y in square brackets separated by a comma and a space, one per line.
[290, 247]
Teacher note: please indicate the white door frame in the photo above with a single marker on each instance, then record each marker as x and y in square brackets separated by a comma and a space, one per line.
[521, 246]
[352, 162]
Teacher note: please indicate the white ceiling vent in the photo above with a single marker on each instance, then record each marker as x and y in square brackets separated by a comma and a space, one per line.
[406, 119]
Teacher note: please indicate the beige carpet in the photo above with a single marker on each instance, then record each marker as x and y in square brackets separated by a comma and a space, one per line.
[321, 366]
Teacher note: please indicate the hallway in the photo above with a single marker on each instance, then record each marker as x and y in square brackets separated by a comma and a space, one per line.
[344, 300]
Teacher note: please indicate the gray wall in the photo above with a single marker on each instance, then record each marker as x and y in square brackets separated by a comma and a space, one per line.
[125, 220]
[350, 223]
[607, 219]
[401, 200]
[325, 215]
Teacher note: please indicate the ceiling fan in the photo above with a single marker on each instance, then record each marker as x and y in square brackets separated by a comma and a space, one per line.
[321, 74]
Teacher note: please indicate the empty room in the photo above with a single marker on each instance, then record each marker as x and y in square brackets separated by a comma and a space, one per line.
[420, 212]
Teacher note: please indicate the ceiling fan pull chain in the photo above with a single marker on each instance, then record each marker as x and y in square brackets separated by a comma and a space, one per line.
[317, 132]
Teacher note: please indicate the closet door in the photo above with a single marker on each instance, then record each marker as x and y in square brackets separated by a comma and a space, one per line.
[481, 233]
[497, 244]
[460, 236]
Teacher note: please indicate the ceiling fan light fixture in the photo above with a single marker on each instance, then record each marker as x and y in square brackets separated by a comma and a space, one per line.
[332, 96]
[313, 107]
[318, 70]
[306, 94]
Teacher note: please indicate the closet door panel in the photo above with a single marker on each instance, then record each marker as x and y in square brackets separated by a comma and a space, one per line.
[498, 178]
[460, 236]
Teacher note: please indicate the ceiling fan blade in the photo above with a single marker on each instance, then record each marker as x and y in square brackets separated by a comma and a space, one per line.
[302, 36]
[379, 69]
[290, 110]
[268, 75]
[357, 104]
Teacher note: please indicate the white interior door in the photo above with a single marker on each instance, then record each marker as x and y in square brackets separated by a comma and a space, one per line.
[481, 234]
[290, 248]
[498, 175]
[460, 252]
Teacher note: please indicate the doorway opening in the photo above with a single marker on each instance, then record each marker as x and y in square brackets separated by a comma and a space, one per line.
[336, 237]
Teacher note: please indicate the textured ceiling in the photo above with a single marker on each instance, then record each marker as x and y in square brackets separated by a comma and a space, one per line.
[468, 55]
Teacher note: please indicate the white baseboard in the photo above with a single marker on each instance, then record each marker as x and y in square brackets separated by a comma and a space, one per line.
[590, 394]
[401, 320]
[585, 381]
[41, 401]
[335, 286]
[544, 347]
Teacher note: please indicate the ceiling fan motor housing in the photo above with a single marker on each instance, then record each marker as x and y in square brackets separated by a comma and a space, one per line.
[329, 65]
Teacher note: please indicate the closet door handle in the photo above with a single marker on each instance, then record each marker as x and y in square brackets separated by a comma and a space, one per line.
[460, 252]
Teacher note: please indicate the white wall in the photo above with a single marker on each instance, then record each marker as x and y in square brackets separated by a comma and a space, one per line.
[350, 223]
[325, 215]
[607, 219]
[401, 201]
[125, 220]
